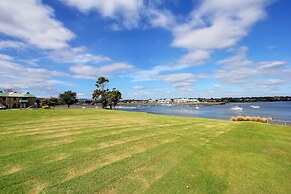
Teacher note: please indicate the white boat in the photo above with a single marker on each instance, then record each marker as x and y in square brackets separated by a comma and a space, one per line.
[197, 107]
[83, 107]
[254, 106]
[169, 105]
[236, 108]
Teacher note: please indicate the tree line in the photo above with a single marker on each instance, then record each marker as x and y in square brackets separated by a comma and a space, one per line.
[101, 95]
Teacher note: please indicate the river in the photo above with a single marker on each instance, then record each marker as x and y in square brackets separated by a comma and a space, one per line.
[276, 110]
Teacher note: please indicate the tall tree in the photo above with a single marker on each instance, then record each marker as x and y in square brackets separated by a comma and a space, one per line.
[101, 83]
[68, 98]
[114, 97]
[100, 94]
[105, 96]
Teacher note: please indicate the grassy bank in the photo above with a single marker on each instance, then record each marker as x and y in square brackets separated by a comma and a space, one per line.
[102, 151]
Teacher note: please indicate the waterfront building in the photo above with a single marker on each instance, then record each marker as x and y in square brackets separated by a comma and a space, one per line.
[185, 100]
[17, 100]
[165, 101]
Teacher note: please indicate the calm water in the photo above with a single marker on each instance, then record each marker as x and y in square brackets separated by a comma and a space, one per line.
[276, 110]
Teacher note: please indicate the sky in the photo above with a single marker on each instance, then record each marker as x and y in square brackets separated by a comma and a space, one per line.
[147, 48]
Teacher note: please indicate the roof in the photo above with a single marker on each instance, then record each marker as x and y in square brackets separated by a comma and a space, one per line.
[16, 94]
[27, 94]
[3, 94]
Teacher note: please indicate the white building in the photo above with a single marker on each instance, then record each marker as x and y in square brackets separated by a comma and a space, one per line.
[165, 101]
[185, 100]
[192, 100]
[152, 100]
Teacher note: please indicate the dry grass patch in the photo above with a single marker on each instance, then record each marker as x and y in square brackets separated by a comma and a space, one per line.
[11, 170]
[248, 118]
[110, 158]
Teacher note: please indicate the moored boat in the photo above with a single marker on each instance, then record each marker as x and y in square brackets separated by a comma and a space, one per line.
[236, 108]
[255, 106]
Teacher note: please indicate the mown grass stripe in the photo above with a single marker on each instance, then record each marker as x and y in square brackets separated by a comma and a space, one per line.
[137, 152]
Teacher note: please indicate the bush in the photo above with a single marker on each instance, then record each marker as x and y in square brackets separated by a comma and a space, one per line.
[248, 118]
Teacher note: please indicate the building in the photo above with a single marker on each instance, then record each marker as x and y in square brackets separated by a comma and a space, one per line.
[17, 100]
[152, 101]
[164, 101]
[193, 100]
[186, 100]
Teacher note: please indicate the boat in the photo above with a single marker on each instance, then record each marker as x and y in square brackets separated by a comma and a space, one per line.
[255, 106]
[197, 107]
[236, 108]
[83, 107]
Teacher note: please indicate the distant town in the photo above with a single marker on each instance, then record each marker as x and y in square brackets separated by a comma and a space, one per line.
[201, 101]
[13, 99]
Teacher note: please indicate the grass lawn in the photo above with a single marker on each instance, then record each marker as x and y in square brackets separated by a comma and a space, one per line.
[102, 151]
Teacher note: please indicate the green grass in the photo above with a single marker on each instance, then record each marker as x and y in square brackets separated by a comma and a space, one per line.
[102, 151]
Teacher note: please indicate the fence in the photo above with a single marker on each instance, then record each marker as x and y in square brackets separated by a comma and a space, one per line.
[278, 122]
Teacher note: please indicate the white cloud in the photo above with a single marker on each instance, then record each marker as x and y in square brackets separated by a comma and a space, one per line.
[195, 57]
[218, 24]
[238, 69]
[236, 75]
[90, 72]
[147, 94]
[33, 23]
[270, 82]
[160, 18]
[180, 80]
[138, 87]
[238, 60]
[5, 57]
[267, 65]
[76, 55]
[127, 13]
[7, 44]
[127, 10]
[17, 76]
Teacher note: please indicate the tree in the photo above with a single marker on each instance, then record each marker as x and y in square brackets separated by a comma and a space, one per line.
[105, 96]
[49, 102]
[101, 83]
[8, 90]
[100, 94]
[68, 98]
[113, 98]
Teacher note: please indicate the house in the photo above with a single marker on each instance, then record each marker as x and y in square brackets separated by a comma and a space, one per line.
[165, 101]
[185, 100]
[193, 100]
[180, 100]
[17, 100]
[152, 101]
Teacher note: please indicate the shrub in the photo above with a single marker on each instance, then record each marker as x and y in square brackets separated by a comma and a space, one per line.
[248, 118]
[232, 118]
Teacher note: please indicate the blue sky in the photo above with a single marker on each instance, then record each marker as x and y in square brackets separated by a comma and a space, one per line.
[147, 48]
